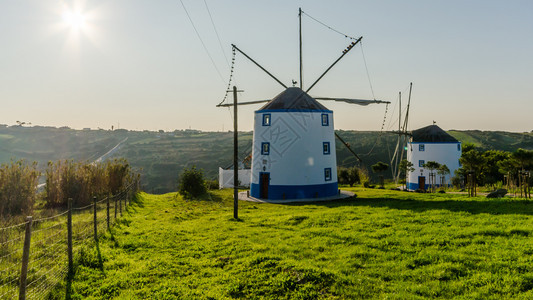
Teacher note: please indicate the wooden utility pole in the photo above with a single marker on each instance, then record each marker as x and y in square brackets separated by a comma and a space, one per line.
[235, 159]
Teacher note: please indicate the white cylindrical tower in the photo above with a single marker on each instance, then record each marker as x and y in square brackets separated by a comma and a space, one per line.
[293, 149]
[431, 143]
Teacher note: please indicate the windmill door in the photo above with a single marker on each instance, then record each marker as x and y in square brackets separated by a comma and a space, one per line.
[264, 181]
[422, 182]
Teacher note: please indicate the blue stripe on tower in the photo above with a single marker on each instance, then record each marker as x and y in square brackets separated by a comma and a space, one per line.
[280, 192]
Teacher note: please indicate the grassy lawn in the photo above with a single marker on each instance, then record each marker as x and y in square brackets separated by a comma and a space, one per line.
[382, 244]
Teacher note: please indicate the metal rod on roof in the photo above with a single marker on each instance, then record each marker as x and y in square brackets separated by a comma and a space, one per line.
[344, 52]
[235, 47]
[301, 59]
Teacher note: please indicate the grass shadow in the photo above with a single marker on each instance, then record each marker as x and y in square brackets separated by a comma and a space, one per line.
[493, 206]
[137, 199]
[99, 257]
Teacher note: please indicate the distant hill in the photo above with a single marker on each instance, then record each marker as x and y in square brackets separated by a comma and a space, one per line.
[161, 156]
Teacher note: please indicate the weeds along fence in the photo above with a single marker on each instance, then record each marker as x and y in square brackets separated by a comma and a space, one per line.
[37, 255]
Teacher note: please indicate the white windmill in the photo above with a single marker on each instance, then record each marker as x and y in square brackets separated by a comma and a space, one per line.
[293, 154]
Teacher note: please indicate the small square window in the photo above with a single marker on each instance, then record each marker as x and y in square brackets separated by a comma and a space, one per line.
[421, 147]
[266, 119]
[458, 147]
[265, 148]
[325, 147]
[327, 174]
[325, 120]
[421, 163]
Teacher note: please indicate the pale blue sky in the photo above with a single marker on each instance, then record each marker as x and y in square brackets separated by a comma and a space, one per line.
[139, 63]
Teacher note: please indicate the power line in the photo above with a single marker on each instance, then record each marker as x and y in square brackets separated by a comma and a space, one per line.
[203, 44]
[216, 31]
[367, 73]
[329, 27]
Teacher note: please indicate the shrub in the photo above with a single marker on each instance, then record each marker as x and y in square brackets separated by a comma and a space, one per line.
[191, 183]
[212, 184]
[117, 172]
[349, 176]
[18, 184]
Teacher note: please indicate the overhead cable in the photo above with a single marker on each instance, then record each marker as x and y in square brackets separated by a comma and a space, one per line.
[203, 44]
[367, 73]
[329, 27]
[216, 31]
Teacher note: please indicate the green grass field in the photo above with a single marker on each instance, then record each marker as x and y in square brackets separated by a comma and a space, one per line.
[382, 244]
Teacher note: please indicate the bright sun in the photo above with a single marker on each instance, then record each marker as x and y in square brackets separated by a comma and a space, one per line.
[75, 20]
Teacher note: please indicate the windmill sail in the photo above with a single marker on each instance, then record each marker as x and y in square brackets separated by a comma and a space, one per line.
[354, 101]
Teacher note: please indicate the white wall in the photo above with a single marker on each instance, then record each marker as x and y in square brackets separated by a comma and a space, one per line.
[225, 178]
[443, 153]
[296, 156]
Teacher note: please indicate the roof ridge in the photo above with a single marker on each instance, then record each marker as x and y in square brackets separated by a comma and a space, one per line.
[432, 134]
[294, 99]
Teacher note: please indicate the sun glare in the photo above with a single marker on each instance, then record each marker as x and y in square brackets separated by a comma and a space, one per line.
[74, 20]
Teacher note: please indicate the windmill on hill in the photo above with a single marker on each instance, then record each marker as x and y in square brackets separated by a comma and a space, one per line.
[293, 154]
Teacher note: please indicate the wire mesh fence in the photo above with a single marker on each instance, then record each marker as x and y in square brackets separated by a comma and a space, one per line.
[36, 256]
[11, 245]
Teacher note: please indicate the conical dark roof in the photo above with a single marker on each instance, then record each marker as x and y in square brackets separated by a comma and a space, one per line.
[432, 134]
[293, 99]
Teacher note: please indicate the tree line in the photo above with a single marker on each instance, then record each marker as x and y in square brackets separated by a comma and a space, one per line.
[494, 168]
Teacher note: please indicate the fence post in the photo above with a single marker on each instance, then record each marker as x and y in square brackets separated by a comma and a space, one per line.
[108, 212]
[25, 259]
[69, 238]
[95, 221]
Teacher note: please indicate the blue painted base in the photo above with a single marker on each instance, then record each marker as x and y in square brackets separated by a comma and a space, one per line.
[280, 192]
[415, 186]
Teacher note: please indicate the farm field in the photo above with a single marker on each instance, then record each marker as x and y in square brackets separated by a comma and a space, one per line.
[382, 244]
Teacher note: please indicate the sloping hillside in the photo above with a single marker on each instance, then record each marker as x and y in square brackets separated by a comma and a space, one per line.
[495, 140]
[161, 156]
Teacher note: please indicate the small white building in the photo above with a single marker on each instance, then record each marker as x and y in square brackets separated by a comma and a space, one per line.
[293, 149]
[431, 143]
[225, 178]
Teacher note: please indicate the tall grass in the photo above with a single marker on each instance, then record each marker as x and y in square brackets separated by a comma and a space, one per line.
[18, 182]
[81, 181]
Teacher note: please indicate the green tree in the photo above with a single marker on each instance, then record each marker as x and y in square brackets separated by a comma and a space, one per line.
[191, 183]
[524, 159]
[406, 167]
[349, 176]
[490, 173]
[379, 168]
[473, 162]
[443, 170]
[508, 167]
[342, 174]
[432, 166]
